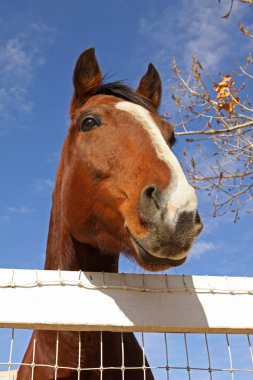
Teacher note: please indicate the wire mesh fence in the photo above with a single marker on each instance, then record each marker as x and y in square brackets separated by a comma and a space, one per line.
[171, 356]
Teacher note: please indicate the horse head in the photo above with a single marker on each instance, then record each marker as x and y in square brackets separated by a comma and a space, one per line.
[122, 188]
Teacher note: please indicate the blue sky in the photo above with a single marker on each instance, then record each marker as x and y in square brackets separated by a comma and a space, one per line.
[40, 42]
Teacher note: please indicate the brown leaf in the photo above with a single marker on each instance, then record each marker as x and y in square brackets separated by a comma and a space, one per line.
[225, 81]
[231, 83]
[249, 59]
[176, 99]
[244, 30]
[196, 74]
[193, 163]
[174, 66]
[231, 107]
[223, 93]
[227, 78]
[224, 106]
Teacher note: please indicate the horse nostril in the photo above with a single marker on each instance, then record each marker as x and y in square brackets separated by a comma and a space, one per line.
[197, 218]
[150, 201]
[152, 195]
[148, 191]
[198, 223]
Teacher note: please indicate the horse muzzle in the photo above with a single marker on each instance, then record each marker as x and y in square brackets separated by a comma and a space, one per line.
[171, 230]
[162, 257]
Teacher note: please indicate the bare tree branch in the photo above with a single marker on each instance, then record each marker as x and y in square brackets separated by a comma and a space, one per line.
[217, 120]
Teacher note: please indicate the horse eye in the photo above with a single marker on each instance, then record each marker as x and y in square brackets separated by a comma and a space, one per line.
[89, 123]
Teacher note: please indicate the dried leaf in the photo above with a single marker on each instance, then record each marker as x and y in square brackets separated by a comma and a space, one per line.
[223, 93]
[224, 106]
[174, 65]
[176, 99]
[222, 84]
[227, 78]
[223, 87]
[196, 74]
[231, 107]
[193, 163]
[231, 83]
[244, 31]
[249, 59]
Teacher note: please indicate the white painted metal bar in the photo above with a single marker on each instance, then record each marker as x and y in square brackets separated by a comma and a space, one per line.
[125, 302]
[8, 375]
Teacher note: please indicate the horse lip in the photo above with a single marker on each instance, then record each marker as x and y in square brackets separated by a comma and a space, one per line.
[151, 259]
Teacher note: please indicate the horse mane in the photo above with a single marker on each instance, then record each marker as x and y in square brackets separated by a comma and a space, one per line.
[122, 91]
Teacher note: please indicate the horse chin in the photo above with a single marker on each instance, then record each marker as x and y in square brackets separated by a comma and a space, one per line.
[154, 263]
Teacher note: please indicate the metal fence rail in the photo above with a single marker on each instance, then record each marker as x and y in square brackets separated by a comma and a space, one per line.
[129, 302]
[189, 327]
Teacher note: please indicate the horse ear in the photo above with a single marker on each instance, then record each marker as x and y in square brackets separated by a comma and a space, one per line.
[151, 86]
[86, 77]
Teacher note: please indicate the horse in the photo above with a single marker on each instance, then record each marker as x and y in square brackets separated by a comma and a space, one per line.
[119, 188]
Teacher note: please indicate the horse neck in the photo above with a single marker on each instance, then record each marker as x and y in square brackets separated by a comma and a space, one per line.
[63, 252]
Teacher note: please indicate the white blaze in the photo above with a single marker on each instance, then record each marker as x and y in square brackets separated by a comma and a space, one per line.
[180, 195]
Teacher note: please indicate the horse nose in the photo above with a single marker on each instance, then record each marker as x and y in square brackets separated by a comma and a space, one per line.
[189, 221]
[156, 207]
[198, 219]
[150, 204]
[198, 223]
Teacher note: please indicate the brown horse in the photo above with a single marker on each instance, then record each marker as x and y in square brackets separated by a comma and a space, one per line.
[119, 188]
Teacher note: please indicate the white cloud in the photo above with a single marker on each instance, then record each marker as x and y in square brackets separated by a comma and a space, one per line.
[21, 55]
[43, 186]
[14, 58]
[184, 29]
[23, 210]
[14, 211]
[208, 37]
[4, 218]
[201, 247]
[53, 158]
